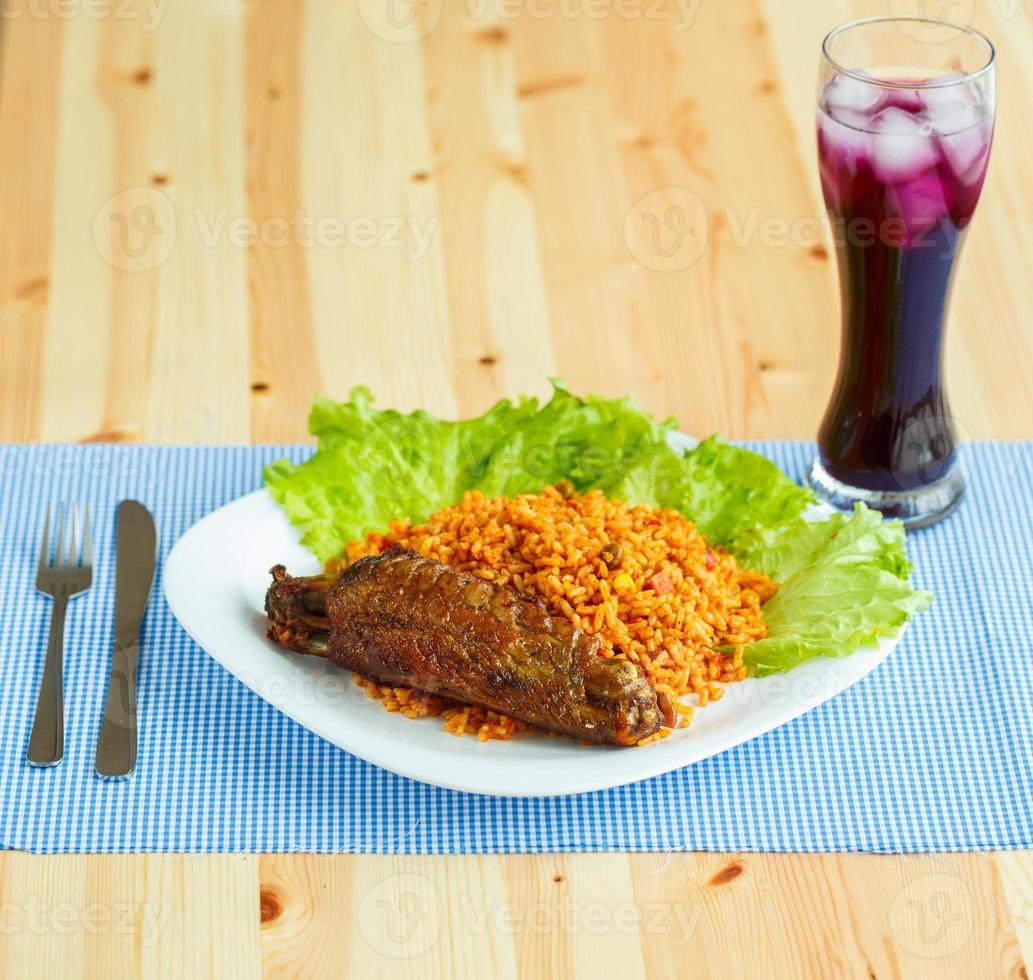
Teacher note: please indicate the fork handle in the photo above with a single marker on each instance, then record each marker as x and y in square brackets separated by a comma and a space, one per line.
[47, 741]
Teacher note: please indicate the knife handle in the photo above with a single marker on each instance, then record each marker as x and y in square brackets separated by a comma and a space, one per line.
[116, 749]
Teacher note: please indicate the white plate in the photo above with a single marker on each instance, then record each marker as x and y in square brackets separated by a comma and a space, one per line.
[215, 582]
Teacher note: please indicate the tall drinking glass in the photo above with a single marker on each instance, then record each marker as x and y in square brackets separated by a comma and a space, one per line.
[905, 121]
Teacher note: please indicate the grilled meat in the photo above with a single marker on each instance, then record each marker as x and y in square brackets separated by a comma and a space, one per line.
[408, 621]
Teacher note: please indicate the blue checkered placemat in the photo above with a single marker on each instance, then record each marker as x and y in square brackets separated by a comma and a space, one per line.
[931, 752]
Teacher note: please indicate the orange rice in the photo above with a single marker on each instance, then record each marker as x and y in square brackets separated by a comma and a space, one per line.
[644, 581]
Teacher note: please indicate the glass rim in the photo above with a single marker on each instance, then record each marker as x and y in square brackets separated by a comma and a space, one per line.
[861, 76]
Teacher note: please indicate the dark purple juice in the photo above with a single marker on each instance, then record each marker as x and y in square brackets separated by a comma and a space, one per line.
[901, 171]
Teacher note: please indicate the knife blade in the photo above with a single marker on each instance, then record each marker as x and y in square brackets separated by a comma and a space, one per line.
[136, 547]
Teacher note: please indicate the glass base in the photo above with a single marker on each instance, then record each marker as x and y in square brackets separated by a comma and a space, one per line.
[916, 508]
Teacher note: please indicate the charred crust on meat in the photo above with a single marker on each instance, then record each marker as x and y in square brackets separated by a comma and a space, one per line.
[402, 619]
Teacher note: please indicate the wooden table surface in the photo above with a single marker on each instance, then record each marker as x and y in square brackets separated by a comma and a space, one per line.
[213, 209]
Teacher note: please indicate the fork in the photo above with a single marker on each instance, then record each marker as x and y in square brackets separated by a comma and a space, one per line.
[68, 574]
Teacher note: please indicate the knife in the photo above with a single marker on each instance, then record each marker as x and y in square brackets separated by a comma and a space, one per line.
[134, 572]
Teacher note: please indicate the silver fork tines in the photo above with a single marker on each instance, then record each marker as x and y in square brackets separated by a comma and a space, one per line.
[62, 576]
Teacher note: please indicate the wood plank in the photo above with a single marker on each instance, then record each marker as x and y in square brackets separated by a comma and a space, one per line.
[198, 373]
[647, 914]
[283, 355]
[1015, 869]
[326, 915]
[747, 309]
[497, 305]
[129, 916]
[74, 386]
[44, 919]
[30, 48]
[937, 915]
[575, 915]
[210, 907]
[564, 915]
[379, 308]
[133, 231]
[594, 287]
[304, 903]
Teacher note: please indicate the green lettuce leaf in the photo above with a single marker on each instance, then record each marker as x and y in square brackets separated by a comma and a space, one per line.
[843, 585]
[843, 579]
[724, 489]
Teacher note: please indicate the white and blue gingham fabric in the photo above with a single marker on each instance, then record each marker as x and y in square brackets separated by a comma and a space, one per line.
[931, 752]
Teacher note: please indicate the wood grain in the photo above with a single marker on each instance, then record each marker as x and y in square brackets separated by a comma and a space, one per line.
[28, 151]
[215, 208]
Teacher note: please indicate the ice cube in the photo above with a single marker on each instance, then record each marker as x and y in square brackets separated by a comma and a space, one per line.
[851, 119]
[908, 99]
[951, 110]
[920, 203]
[844, 143]
[901, 145]
[852, 94]
[966, 152]
[897, 121]
[947, 88]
